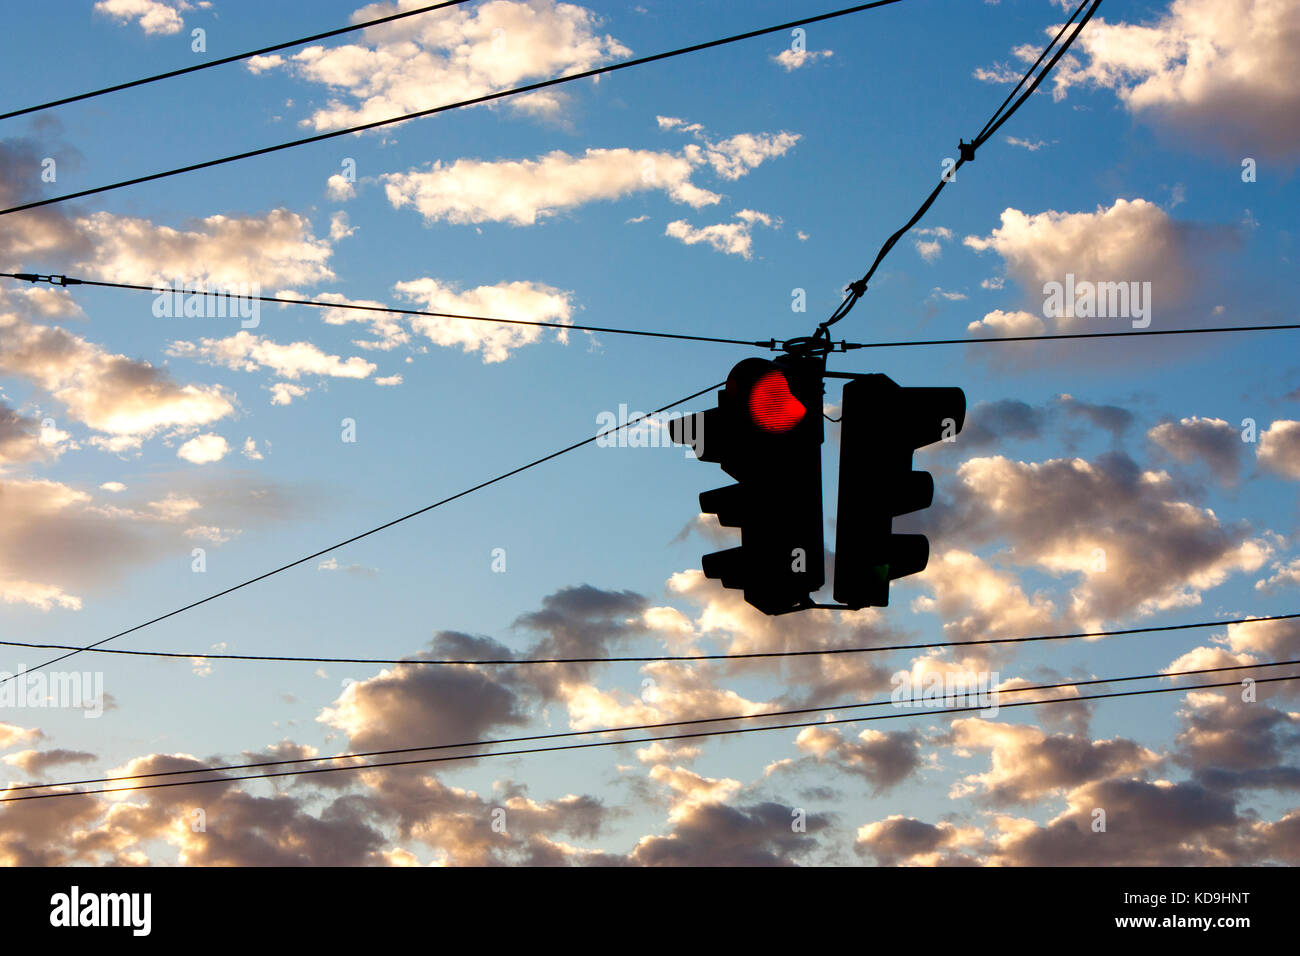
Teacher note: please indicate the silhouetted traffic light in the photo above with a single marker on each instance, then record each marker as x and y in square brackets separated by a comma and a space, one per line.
[767, 434]
[881, 425]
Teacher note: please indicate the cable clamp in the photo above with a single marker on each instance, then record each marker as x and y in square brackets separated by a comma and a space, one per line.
[966, 151]
[858, 288]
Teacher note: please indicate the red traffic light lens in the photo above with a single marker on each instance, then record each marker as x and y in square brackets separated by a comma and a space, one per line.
[772, 406]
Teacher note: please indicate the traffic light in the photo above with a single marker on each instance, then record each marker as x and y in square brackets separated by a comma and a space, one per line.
[767, 434]
[882, 423]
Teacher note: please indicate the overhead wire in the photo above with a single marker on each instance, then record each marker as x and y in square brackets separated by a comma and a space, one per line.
[652, 659]
[1057, 336]
[1034, 66]
[858, 288]
[170, 74]
[769, 344]
[63, 280]
[634, 420]
[903, 713]
[430, 111]
[293, 761]
[989, 129]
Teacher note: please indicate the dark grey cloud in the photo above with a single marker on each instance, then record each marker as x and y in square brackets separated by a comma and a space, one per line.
[19, 437]
[1211, 441]
[582, 622]
[37, 762]
[994, 423]
[1109, 418]
[1028, 764]
[1066, 515]
[412, 705]
[883, 759]
[1147, 824]
[716, 834]
[899, 839]
[47, 235]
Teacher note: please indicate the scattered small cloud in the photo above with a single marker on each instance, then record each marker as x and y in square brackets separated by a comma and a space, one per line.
[203, 449]
[791, 60]
[332, 564]
[734, 238]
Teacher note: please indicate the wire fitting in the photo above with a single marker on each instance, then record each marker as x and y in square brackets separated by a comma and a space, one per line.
[51, 279]
[966, 150]
[809, 345]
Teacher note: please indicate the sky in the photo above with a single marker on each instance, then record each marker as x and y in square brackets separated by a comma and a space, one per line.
[148, 459]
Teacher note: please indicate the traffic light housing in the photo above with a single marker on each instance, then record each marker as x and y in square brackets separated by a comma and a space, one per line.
[882, 424]
[766, 432]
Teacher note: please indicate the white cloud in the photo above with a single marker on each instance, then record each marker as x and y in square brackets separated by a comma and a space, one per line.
[673, 122]
[1001, 73]
[737, 155]
[1284, 574]
[452, 55]
[526, 301]
[1032, 145]
[976, 600]
[283, 393]
[930, 249]
[248, 352]
[126, 401]
[340, 188]
[525, 191]
[339, 228]
[154, 16]
[1131, 543]
[174, 507]
[1133, 240]
[129, 400]
[332, 564]
[207, 532]
[275, 249]
[387, 327]
[203, 449]
[1279, 448]
[793, 59]
[41, 596]
[1219, 70]
[734, 238]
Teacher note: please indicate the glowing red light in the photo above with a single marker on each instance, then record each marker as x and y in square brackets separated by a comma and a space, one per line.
[772, 406]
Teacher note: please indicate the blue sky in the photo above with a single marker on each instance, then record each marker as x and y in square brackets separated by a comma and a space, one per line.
[1128, 166]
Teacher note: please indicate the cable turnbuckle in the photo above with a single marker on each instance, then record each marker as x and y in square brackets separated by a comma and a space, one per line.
[51, 279]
